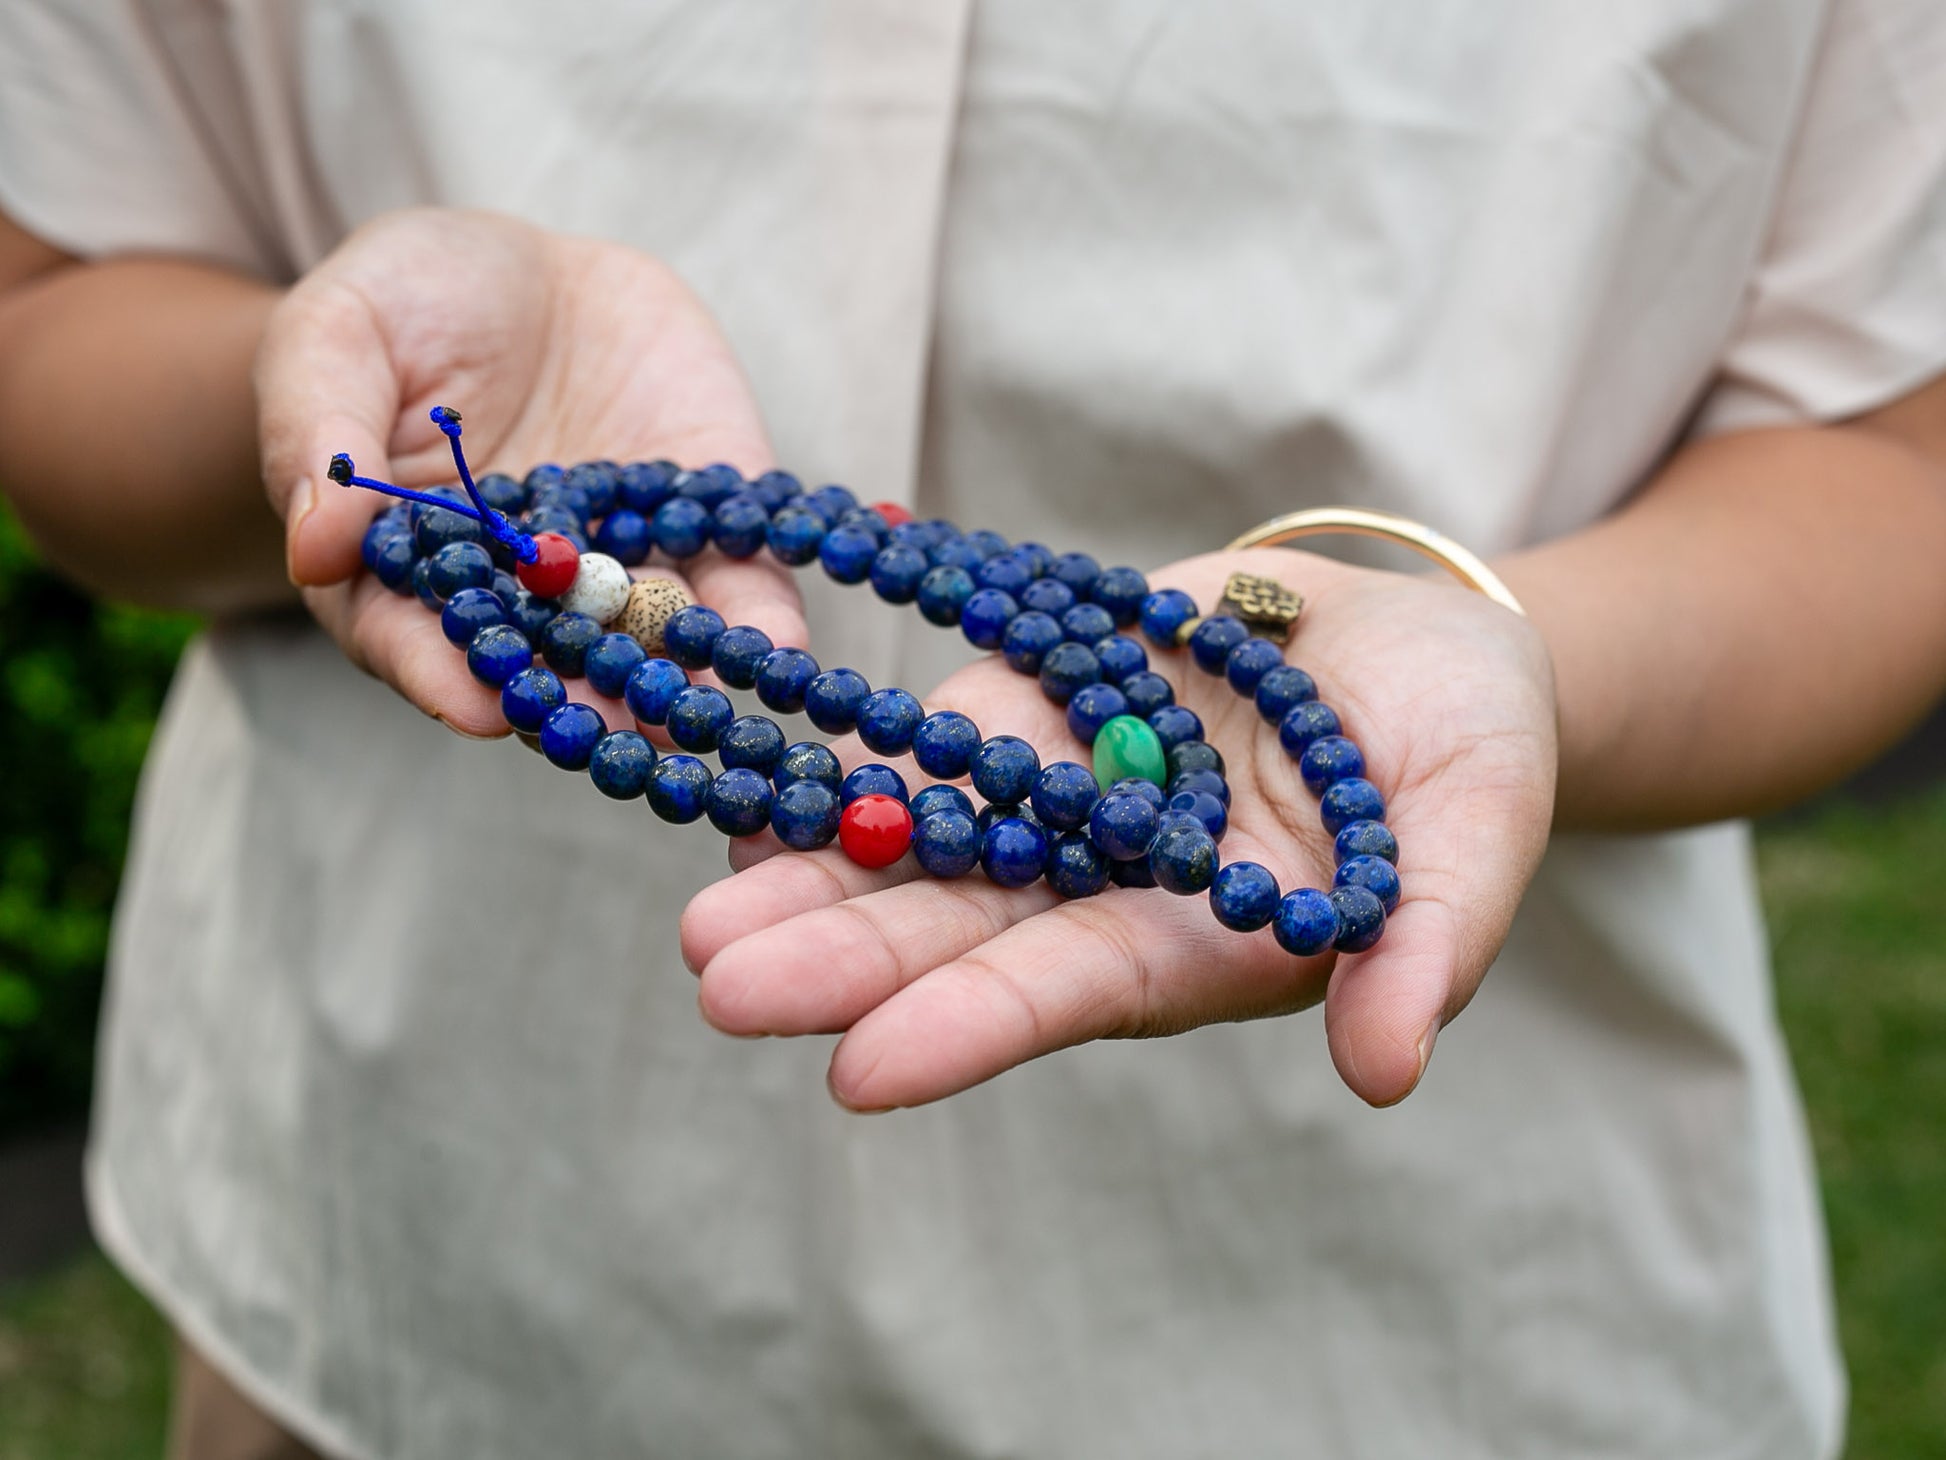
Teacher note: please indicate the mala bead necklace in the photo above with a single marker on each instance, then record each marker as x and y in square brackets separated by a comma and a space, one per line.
[1149, 811]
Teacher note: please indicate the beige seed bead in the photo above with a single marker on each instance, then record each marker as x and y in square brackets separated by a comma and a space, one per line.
[652, 602]
[600, 589]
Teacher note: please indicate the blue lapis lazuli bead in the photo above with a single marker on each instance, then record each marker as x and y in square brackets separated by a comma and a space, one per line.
[1004, 768]
[565, 642]
[537, 520]
[782, 678]
[1367, 839]
[625, 537]
[1183, 858]
[988, 543]
[434, 528]
[887, 719]
[1148, 790]
[501, 492]
[1206, 808]
[1282, 690]
[870, 521]
[897, 572]
[740, 527]
[832, 699]
[1212, 640]
[737, 653]
[568, 736]
[1376, 875]
[1244, 897]
[1328, 759]
[1078, 571]
[646, 485]
[1191, 782]
[944, 744]
[1064, 794]
[393, 560]
[985, 617]
[609, 662]
[939, 798]
[599, 481]
[778, 486]
[804, 815]
[751, 742]
[1194, 755]
[530, 696]
[498, 652]
[1013, 852]
[795, 534]
[1361, 918]
[1123, 824]
[1249, 662]
[507, 589]
[681, 527]
[1131, 874]
[1349, 800]
[1146, 692]
[1087, 623]
[832, 500]
[546, 477]
[1038, 557]
[1093, 706]
[1004, 574]
[947, 843]
[1047, 595]
[1028, 641]
[467, 612]
[387, 524]
[678, 788]
[532, 614]
[569, 503]
[620, 764]
[698, 716]
[1001, 810]
[1075, 866]
[739, 802]
[1163, 613]
[1066, 668]
[943, 593]
[873, 780]
[956, 552]
[1120, 656]
[1120, 591]
[421, 581]
[1175, 725]
[1306, 923]
[1306, 722]
[690, 635]
[808, 760]
[652, 688]
[847, 554]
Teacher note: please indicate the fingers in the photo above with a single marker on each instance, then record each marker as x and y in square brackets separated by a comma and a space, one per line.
[397, 641]
[759, 592]
[1385, 1008]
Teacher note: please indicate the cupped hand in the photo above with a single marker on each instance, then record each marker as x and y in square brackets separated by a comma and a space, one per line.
[939, 985]
[553, 348]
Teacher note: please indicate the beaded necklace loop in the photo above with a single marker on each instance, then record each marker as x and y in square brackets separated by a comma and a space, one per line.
[1150, 811]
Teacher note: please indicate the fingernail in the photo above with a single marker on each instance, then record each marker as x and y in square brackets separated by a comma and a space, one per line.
[303, 502]
[464, 734]
[831, 1087]
[1426, 1042]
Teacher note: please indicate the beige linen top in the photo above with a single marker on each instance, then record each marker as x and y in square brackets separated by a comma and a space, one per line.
[406, 1115]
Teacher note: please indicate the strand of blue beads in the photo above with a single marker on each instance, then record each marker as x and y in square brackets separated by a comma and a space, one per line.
[1057, 617]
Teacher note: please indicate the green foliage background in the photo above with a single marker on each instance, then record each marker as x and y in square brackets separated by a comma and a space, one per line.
[80, 684]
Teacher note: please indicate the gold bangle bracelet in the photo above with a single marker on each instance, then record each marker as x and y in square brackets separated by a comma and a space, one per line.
[1389, 527]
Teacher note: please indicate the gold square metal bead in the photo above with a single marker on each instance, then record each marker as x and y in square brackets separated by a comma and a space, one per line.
[1266, 607]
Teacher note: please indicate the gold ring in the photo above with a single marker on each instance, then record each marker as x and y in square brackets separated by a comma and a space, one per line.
[1388, 527]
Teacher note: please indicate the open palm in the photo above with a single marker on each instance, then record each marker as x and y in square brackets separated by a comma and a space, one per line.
[940, 985]
[555, 348]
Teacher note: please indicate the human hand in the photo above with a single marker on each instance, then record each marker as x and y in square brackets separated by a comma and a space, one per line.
[939, 985]
[556, 348]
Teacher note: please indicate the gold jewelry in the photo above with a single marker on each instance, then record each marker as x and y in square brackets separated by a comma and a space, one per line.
[1389, 527]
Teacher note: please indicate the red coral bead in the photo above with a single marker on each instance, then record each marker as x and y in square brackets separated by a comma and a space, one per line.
[892, 512]
[875, 830]
[556, 560]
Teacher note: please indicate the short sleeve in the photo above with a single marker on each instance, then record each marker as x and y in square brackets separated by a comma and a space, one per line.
[1847, 305]
[106, 144]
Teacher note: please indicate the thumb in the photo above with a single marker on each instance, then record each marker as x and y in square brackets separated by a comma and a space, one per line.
[325, 384]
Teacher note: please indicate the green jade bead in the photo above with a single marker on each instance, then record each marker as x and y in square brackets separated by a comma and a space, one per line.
[1125, 747]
